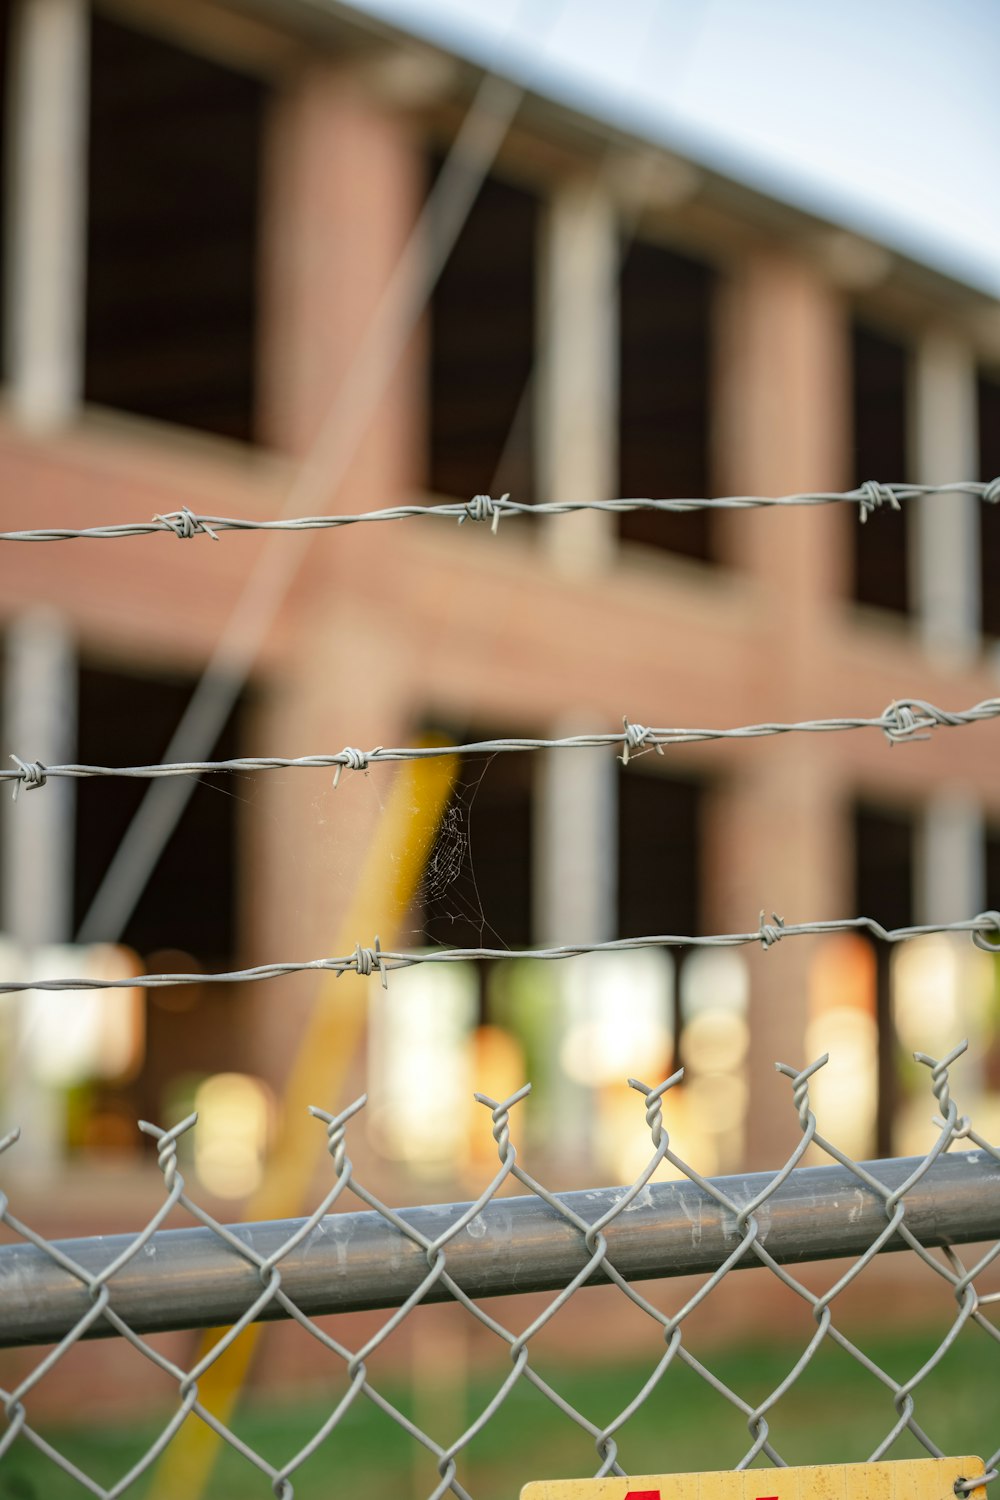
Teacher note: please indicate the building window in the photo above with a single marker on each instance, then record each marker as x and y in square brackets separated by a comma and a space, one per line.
[477, 888]
[659, 875]
[190, 900]
[993, 869]
[447, 1030]
[880, 379]
[664, 412]
[989, 523]
[171, 305]
[929, 993]
[884, 845]
[687, 1007]
[482, 337]
[186, 918]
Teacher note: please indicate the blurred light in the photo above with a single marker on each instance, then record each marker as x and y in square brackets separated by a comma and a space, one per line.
[497, 1062]
[422, 1083]
[842, 1022]
[497, 1069]
[844, 1094]
[230, 1139]
[925, 993]
[717, 1104]
[716, 1041]
[621, 1140]
[619, 1006]
[843, 972]
[941, 991]
[178, 997]
[715, 995]
[714, 979]
[72, 1036]
[122, 1037]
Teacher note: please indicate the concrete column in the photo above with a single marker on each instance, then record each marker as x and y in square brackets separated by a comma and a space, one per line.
[39, 723]
[951, 855]
[576, 900]
[576, 860]
[46, 209]
[780, 424]
[778, 837]
[578, 379]
[950, 879]
[342, 187]
[945, 557]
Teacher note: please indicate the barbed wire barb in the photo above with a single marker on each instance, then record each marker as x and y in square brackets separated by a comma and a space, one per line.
[905, 720]
[185, 523]
[366, 961]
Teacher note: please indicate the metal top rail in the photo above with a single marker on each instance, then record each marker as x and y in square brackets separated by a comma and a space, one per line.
[348, 1262]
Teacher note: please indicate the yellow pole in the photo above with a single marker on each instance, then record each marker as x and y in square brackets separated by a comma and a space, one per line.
[395, 862]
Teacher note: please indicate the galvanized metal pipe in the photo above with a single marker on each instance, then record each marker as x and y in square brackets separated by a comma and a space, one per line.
[189, 1278]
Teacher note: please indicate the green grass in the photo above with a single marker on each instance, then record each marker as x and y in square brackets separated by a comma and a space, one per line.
[835, 1412]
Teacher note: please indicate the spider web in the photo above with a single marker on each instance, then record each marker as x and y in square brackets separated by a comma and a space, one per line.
[447, 907]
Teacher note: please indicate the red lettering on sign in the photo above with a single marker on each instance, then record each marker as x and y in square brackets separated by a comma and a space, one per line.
[648, 1495]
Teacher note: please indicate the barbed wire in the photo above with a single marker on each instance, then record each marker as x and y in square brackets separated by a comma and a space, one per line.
[905, 719]
[185, 523]
[403, 1260]
[367, 961]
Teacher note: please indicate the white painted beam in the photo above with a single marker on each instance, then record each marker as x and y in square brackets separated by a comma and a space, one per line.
[39, 723]
[945, 555]
[578, 367]
[951, 859]
[46, 209]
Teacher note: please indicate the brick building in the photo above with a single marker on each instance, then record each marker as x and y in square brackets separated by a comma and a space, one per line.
[206, 202]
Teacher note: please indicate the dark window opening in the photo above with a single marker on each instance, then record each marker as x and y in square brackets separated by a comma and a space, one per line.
[993, 869]
[171, 304]
[664, 416]
[482, 336]
[477, 888]
[659, 866]
[883, 884]
[185, 919]
[659, 825]
[989, 523]
[881, 572]
[991, 1079]
[189, 902]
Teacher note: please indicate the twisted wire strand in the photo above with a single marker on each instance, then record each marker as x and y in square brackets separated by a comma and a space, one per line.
[185, 523]
[367, 961]
[904, 721]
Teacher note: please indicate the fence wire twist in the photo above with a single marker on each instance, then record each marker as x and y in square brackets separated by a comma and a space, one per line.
[597, 1251]
[185, 523]
[378, 960]
[904, 721]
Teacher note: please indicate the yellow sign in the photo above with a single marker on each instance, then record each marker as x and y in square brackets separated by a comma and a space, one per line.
[906, 1479]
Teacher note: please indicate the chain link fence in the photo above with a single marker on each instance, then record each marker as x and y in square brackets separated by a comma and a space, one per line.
[339, 1259]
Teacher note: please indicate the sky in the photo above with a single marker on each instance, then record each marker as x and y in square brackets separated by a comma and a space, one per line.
[883, 115]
